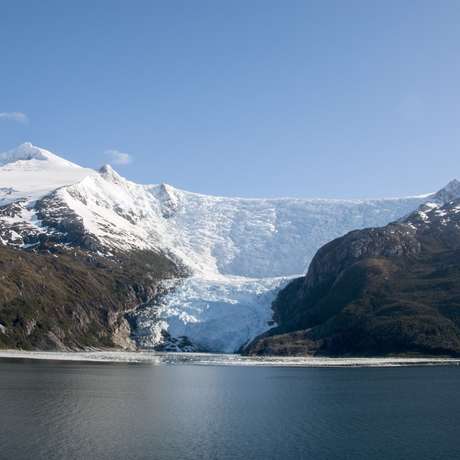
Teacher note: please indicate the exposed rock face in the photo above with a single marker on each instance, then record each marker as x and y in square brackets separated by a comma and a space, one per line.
[238, 252]
[394, 289]
[121, 336]
[391, 241]
[448, 193]
[73, 300]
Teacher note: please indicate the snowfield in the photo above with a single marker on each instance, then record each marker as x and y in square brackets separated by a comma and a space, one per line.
[239, 251]
[30, 172]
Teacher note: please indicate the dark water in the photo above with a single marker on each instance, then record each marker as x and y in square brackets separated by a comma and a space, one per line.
[64, 410]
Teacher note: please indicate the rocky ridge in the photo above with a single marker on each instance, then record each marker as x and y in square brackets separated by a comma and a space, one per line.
[388, 290]
[230, 255]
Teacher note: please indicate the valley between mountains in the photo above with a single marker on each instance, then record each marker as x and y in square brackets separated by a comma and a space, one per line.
[90, 259]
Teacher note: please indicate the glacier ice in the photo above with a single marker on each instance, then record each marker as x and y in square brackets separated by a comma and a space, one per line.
[239, 251]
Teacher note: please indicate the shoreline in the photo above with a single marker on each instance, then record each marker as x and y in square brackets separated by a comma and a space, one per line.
[213, 359]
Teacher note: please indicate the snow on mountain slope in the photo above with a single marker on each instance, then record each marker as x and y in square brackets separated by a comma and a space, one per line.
[239, 251]
[31, 172]
[218, 235]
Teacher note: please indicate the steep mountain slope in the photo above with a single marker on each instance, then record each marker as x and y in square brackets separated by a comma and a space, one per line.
[229, 236]
[385, 290]
[71, 300]
[237, 252]
[29, 172]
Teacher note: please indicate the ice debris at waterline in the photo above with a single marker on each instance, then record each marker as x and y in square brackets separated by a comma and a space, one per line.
[215, 359]
[239, 251]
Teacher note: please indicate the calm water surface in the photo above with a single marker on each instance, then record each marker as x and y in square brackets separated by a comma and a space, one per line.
[71, 410]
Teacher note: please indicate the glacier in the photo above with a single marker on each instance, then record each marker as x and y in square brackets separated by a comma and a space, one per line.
[238, 251]
[214, 313]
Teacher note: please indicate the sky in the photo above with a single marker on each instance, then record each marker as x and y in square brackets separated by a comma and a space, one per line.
[333, 99]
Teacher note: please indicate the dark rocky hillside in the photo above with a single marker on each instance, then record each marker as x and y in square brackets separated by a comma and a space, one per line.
[390, 290]
[70, 299]
[72, 228]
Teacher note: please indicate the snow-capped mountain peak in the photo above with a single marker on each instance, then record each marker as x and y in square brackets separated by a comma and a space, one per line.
[27, 151]
[448, 193]
[29, 172]
[108, 173]
[239, 251]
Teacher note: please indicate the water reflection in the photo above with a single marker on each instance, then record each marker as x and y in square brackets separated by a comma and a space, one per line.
[55, 410]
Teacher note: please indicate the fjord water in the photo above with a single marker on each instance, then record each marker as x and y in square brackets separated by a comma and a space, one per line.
[74, 410]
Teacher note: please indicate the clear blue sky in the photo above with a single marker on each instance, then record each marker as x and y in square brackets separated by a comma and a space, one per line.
[249, 98]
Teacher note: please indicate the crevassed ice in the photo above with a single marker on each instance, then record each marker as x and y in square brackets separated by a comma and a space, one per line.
[239, 251]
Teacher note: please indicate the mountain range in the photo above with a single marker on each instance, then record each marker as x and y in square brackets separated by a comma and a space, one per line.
[378, 291]
[161, 267]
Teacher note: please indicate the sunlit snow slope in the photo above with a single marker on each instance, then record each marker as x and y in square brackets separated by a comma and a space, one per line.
[31, 172]
[239, 251]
